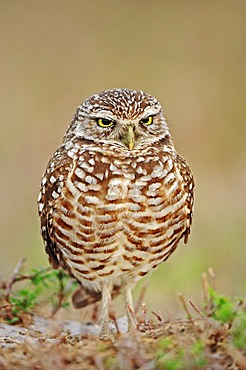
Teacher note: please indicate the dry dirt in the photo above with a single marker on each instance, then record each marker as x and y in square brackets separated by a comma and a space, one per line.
[40, 343]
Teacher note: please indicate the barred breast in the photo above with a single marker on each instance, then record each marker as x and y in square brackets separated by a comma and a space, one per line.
[117, 216]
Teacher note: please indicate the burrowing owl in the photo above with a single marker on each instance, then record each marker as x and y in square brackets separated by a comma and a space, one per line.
[116, 197]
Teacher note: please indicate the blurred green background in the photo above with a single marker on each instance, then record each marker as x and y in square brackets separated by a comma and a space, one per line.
[191, 55]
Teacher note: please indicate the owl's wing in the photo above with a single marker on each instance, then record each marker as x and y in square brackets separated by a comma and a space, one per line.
[189, 186]
[52, 184]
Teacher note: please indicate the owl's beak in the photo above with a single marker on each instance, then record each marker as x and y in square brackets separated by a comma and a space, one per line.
[130, 137]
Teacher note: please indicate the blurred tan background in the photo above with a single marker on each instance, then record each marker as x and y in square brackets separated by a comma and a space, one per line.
[190, 54]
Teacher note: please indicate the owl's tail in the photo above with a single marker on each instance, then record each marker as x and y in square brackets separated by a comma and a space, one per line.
[83, 297]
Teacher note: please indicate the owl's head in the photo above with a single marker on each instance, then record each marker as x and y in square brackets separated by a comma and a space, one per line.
[122, 117]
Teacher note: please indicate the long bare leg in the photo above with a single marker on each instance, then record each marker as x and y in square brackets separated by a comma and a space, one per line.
[104, 318]
[129, 307]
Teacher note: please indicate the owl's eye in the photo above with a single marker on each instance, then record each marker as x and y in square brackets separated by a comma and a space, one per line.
[103, 122]
[147, 121]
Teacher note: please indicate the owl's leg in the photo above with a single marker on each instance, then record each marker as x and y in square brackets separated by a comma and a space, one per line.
[129, 307]
[104, 319]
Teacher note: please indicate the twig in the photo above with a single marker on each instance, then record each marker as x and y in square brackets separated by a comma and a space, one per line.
[113, 317]
[212, 278]
[145, 319]
[185, 307]
[197, 310]
[132, 313]
[31, 276]
[205, 286]
[159, 316]
[60, 294]
[8, 305]
[141, 296]
[13, 277]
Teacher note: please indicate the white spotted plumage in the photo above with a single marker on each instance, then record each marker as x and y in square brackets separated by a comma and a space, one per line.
[115, 201]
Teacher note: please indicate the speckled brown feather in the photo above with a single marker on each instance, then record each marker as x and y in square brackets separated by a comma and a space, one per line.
[58, 168]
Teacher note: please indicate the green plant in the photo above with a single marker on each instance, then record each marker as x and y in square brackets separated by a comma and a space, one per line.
[223, 309]
[239, 330]
[198, 350]
[41, 286]
[173, 360]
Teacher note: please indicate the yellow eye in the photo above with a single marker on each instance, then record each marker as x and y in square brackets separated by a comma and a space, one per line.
[103, 122]
[147, 121]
